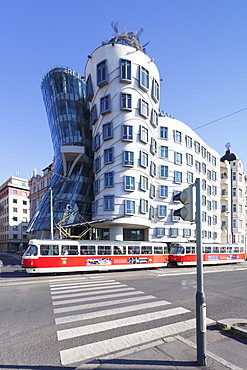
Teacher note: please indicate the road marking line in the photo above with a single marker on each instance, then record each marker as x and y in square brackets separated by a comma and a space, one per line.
[104, 313]
[89, 283]
[90, 292]
[96, 328]
[86, 289]
[96, 350]
[100, 304]
[124, 292]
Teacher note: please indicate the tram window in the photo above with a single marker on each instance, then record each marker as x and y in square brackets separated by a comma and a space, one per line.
[87, 249]
[236, 249]
[146, 250]
[49, 250]
[215, 249]
[119, 250]
[241, 249]
[134, 250]
[193, 250]
[158, 250]
[71, 250]
[223, 250]
[32, 250]
[104, 249]
[177, 250]
[207, 249]
[229, 249]
[165, 249]
[188, 250]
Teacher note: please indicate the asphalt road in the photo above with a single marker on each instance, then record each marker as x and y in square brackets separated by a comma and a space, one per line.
[43, 318]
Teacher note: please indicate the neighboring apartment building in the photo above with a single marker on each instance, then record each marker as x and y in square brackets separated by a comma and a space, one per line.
[14, 214]
[38, 186]
[233, 190]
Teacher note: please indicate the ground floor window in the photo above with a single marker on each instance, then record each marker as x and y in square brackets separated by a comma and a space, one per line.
[133, 234]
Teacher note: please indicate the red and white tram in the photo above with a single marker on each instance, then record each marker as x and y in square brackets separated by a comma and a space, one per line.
[49, 256]
[184, 254]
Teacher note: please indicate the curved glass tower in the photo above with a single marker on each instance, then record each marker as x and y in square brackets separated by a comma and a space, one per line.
[63, 92]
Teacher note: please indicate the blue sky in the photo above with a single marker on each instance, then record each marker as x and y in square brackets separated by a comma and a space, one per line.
[198, 46]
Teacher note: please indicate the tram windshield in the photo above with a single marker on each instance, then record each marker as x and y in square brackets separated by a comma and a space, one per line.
[177, 250]
[32, 250]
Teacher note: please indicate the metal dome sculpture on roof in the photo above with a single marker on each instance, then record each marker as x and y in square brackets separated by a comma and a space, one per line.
[127, 38]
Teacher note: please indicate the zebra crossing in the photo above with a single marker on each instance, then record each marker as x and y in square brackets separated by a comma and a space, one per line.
[97, 306]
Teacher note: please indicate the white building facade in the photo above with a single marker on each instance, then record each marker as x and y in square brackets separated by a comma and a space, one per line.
[141, 157]
[14, 214]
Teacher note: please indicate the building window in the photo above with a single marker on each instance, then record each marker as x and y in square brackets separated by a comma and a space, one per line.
[178, 177]
[143, 159]
[190, 177]
[197, 146]
[155, 91]
[209, 205]
[105, 105]
[162, 210]
[95, 207]
[164, 151]
[129, 207]
[154, 118]
[163, 191]
[97, 164]
[129, 184]
[128, 158]
[89, 89]
[214, 220]
[164, 171]
[14, 200]
[109, 203]
[204, 152]
[102, 74]
[188, 141]
[125, 70]
[198, 166]
[125, 102]
[163, 132]
[189, 159]
[109, 179]
[187, 233]
[209, 190]
[204, 216]
[96, 186]
[143, 206]
[151, 212]
[144, 78]
[204, 168]
[143, 134]
[177, 136]
[204, 200]
[152, 191]
[160, 231]
[209, 174]
[173, 232]
[96, 141]
[214, 176]
[144, 108]
[153, 148]
[213, 161]
[107, 131]
[214, 204]
[214, 190]
[108, 155]
[177, 158]
[152, 169]
[93, 115]
[15, 210]
[208, 157]
[127, 133]
[143, 183]
[24, 210]
[204, 184]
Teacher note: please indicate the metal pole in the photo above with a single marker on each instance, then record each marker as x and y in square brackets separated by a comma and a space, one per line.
[51, 205]
[200, 297]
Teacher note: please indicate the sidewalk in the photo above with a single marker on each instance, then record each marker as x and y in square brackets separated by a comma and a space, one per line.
[222, 351]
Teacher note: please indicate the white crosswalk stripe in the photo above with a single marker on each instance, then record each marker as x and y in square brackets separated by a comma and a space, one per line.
[91, 299]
